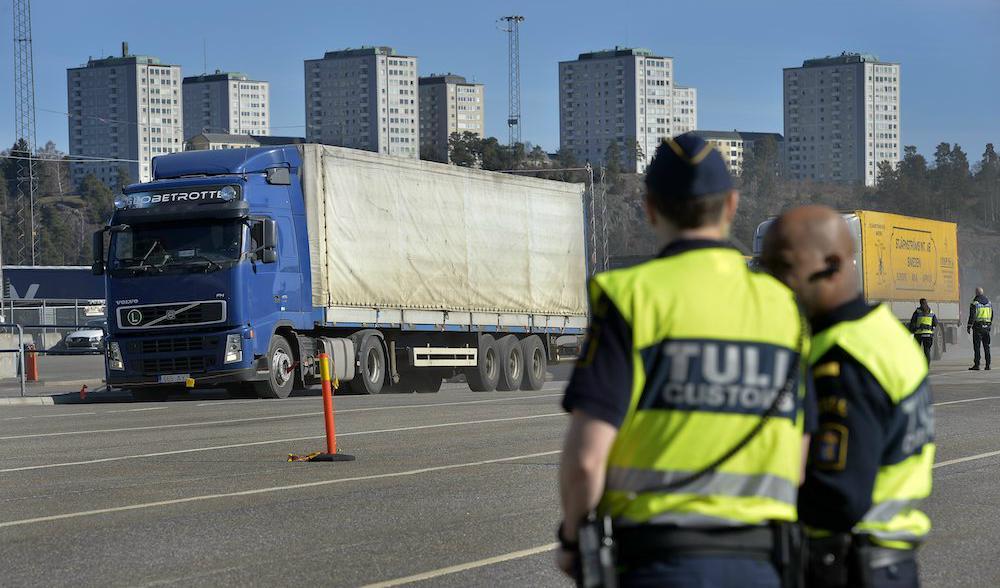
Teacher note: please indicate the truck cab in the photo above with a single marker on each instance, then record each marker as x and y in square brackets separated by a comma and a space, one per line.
[201, 268]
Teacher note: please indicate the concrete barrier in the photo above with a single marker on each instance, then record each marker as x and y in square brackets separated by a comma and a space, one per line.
[8, 361]
[44, 340]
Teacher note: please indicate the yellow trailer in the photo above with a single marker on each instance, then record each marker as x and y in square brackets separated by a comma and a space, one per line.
[901, 259]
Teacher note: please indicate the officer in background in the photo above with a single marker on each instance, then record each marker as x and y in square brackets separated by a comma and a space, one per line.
[923, 324]
[980, 321]
[870, 459]
[683, 366]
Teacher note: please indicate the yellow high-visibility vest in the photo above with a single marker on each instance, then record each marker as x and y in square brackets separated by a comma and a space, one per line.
[882, 346]
[713, 343]
[925, 324]
[984, 313]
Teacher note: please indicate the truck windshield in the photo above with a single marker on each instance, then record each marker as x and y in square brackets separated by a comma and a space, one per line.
[187, 246]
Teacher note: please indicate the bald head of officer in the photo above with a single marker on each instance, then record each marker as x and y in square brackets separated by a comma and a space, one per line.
[811, 250]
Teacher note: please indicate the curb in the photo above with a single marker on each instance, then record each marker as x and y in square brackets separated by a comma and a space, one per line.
[44, 383]
[27, 401]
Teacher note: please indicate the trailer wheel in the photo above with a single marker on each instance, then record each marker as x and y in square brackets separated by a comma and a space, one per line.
[369, 376]
[484, 377]
[511, 364]
[536, 363]
[281, 370]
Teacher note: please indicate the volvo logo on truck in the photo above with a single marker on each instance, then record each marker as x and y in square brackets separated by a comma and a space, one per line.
[134, 317]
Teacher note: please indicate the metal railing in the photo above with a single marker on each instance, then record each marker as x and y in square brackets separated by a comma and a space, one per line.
[19, 351]
[61, 329]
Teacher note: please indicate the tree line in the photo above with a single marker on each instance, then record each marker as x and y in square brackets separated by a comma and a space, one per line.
[65, 214]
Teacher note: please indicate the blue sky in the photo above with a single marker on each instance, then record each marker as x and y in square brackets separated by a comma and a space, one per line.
[732, 51]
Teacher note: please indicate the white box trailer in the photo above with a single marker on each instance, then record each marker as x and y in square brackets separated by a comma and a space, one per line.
[445, 265]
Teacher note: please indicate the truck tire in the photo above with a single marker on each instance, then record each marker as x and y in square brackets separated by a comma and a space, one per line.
[511, 364]
[536, 363]
[369, 376]
[484, 377]
[281, 370]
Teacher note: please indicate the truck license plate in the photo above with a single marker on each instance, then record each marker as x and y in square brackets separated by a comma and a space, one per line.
[173, 378]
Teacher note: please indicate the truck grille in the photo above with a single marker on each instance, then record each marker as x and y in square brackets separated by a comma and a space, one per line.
[178, 344]
[155, 316]
[176, 365]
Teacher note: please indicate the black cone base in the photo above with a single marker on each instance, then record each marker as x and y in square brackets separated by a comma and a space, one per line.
[332, 457]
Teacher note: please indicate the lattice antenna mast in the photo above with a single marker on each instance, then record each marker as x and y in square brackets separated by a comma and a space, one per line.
[511, 26]
[24, 129]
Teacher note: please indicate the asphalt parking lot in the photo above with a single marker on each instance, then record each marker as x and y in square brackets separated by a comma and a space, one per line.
[451, 489]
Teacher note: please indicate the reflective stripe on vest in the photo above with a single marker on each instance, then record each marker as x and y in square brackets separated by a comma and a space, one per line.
[712, 345]
[925, 324]
[879, 343]
[984, 312]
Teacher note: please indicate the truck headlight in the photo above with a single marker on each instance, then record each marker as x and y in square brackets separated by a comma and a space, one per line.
[234, 348]
[115, 361]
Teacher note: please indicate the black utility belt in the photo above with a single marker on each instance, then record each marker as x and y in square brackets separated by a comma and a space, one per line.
[651, 542]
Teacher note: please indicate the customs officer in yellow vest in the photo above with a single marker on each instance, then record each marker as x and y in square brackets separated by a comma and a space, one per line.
[688, 404]
[870, 460]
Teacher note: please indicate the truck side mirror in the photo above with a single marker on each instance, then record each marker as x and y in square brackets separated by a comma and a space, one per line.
[269, 241]
[97, 268]
[278, 176]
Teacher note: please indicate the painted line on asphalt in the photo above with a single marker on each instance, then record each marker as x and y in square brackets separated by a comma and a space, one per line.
[949, 462]
[272, 441]
[48, 416]
[465, 567]
[270, 490]
[342, 398]
[966, 400]
[135, 409]
[265, 418]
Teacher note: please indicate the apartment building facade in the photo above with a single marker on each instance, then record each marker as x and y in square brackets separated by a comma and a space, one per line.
[123, 111]
[448, 104]
[364, 98]
[226, 102]
[626, 96]
[841, 118]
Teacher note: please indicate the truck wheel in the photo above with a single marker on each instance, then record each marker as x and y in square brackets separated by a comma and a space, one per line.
[369, 376]
[536, 363]
[281, 365]
[511, 364]
[484, 377]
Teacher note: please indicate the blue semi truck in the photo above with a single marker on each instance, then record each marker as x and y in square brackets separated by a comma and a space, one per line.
[236, 268]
